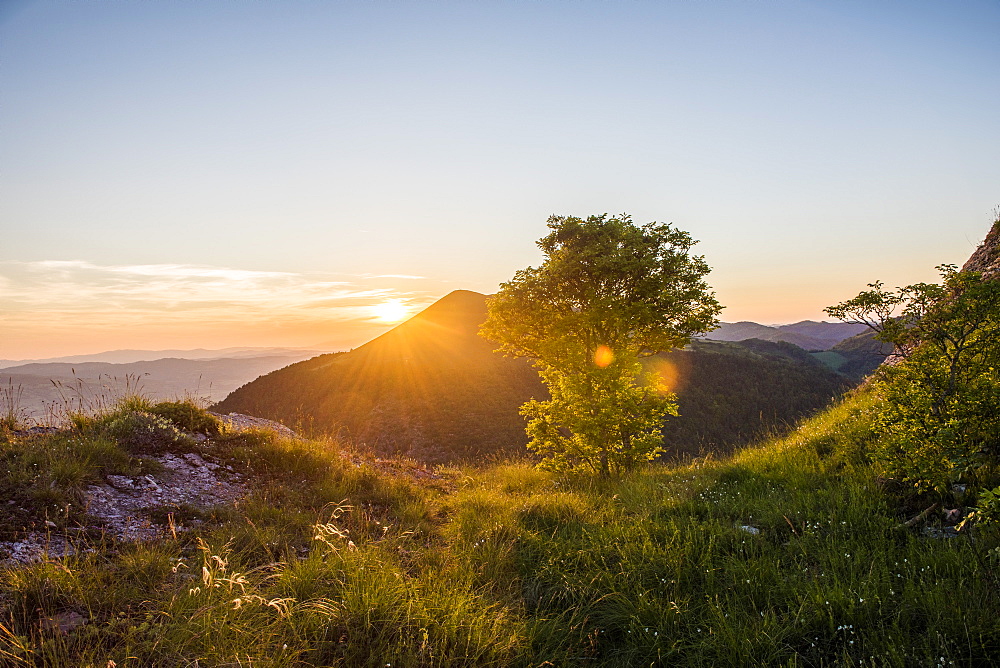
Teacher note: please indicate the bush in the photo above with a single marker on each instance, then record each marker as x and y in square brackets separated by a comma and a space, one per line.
[189, 416]
[940, 418]
[137, 431]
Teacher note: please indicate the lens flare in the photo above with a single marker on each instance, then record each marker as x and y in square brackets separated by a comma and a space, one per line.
[667, 375]
[603, 356]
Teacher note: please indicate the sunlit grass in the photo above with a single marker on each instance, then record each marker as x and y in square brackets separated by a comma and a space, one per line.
[789, 553]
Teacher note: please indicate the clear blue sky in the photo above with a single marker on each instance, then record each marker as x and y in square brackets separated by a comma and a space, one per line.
[176, 174]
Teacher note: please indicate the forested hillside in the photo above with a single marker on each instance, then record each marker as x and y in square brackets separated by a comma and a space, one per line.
[733, 393]
[860, 355]
[434, 390]
[431, 388]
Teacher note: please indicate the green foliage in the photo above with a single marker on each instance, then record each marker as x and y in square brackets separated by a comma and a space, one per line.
[785, 554]
[138, 431]
[608, 293]
[940, 419]
[988, 510]
[601, 421]
[189, 416]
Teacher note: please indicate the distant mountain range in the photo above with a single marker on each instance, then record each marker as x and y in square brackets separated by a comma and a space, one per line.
[128, 356]
[47, 389]
[433, 389]
[808, 334]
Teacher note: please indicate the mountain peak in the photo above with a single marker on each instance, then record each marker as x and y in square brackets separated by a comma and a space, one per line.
[456, 307]
[451, 322]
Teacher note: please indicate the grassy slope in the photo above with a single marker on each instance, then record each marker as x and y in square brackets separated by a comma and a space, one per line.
[513, 566]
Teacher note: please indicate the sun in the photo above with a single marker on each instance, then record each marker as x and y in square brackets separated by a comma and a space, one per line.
[391, 310]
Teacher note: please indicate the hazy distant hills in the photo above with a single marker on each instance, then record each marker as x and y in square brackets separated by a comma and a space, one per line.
[47, 388]
[808, 334]
[128, 356]
[433, 389]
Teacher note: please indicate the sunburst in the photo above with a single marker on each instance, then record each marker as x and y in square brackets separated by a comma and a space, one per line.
[391, 310]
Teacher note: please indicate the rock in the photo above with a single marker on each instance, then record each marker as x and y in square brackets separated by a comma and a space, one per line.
[122, 482]
[753, 531]
[986, 258]
[934, 532]
[953, 516]
[241, 422]
[123, 505]
[34, 547]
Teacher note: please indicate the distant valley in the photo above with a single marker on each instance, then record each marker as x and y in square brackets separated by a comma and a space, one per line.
[128, 356]
[809, 335]
[46, 388]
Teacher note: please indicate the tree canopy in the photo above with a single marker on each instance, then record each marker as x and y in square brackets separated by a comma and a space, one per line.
[940, 420]
[608, 293]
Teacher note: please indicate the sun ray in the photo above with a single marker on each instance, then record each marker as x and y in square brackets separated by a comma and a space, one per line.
[391, 310]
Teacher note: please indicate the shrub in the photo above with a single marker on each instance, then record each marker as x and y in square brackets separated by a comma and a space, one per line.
[138, 431]
[188, 415]
[940, 418]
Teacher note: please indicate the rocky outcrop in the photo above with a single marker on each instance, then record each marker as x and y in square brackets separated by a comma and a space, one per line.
[144, 507]
[140, 507]
[986, 257]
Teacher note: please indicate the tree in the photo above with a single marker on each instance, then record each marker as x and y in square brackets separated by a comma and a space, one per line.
[940, 419]
[608, 293]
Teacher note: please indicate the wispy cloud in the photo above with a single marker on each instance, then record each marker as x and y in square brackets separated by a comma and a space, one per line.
[408, 277]
[81, 287]
[70, 306]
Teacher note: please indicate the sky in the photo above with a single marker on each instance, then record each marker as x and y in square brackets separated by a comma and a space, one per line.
[218, 173]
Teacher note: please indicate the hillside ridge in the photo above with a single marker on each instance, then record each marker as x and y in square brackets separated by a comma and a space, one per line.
[433, 389]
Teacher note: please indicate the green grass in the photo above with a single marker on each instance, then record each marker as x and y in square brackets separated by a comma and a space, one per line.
[788, 553]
